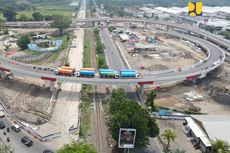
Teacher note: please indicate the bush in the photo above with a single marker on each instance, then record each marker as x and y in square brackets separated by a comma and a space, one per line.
[23, 41]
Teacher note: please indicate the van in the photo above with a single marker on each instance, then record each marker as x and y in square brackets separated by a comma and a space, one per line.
[16, 127]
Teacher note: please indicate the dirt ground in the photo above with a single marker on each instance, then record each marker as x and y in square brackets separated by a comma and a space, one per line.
[176, 54]
[216, 99]
[26, 98]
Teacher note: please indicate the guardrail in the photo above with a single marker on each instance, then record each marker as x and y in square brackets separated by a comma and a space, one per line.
[28, 129]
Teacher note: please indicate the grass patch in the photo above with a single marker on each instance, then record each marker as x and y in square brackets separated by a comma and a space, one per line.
[86, 53]
[30, 52]
[65, 44]
[55, 54]
[44, 12]
[86, 111]
[1, 16]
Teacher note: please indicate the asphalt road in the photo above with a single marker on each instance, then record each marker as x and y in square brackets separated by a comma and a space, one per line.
[219, 40]
[15, 140]
[114, 61]
[215, 54]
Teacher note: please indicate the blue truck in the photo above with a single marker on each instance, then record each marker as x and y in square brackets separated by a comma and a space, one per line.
[129, 74]
[86, 72]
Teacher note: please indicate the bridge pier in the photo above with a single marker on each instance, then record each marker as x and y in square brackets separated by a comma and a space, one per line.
[142, 89]
[52, 86]
[3, 74]
[203, 75]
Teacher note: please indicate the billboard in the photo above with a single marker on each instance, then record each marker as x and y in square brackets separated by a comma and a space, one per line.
[126, 138]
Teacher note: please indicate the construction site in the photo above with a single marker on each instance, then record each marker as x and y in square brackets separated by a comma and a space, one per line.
[151, 50]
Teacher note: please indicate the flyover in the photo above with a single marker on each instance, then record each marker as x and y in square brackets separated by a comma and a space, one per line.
[204, 34]
[199, 70]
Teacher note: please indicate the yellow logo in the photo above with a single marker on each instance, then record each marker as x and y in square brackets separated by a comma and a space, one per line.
[195, 8]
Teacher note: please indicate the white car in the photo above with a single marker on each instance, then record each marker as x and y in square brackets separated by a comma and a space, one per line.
[2, 114]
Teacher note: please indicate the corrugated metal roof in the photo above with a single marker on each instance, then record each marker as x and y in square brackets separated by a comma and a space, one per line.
[216, 126]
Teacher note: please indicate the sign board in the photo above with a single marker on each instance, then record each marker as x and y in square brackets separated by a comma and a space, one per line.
[126, 138]
[195, 8]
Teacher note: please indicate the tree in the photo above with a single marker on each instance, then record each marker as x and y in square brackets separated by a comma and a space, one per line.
[10, 15]
[23, 17]
[126, 113]
[48, 18]
[100, 47]
[60, 22]
[150, 99]
[169, 135]
[220, 146]
[23, 41]
[77, 148]
[2, 26]
[38, 16]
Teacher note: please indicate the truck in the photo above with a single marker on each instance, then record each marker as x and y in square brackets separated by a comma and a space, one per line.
[85, 72]
[108, 73]
[129, 74]
[68, 68]
[65, 72]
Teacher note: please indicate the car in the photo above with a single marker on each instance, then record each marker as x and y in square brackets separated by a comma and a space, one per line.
[179, 68]
[47, 151]
[2, 125]
[2, 114]
[26, 141]
[16, 127]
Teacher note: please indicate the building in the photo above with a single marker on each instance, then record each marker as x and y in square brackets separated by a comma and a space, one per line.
[124, 37]
[204, 128]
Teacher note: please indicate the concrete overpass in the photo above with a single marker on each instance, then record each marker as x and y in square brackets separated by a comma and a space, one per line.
[199, 32]
[215, 58]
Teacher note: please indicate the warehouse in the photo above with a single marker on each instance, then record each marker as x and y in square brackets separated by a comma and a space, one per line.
[204, 129]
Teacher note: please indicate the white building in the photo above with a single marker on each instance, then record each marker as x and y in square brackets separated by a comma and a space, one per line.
[205, 128]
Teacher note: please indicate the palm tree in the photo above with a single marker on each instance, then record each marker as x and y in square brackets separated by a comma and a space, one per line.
[220, 146]
[169, 135]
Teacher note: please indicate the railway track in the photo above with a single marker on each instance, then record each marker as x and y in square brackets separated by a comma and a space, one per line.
[99, 124]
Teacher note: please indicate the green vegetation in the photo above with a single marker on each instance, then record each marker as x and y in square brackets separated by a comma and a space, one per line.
[127, 113]
[169, 135]
[101, 60]
[220, 146]
[9, 14]
[180, 151]
[60, 22]
[77, 148]
[47, 8]
[86, 53]
[226, 34]
[150, 99]
[4, 148]
[29, 13]
[30, 52]
[23, 41]
[86, 110]
[65, 44]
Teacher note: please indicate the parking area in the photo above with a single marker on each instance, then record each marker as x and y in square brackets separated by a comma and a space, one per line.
[182, 141]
